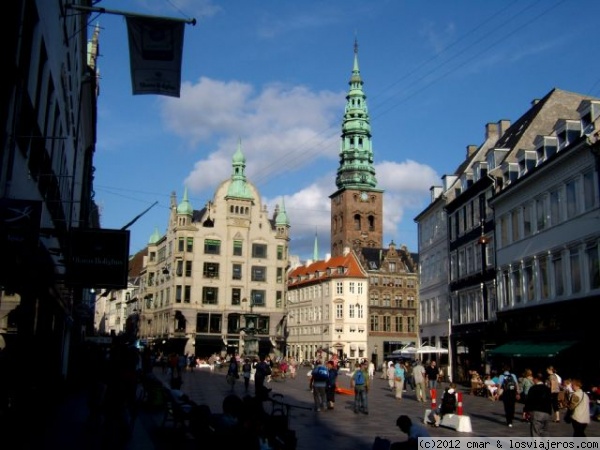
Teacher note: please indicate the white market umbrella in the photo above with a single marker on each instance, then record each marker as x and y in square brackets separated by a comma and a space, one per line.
[431, 349]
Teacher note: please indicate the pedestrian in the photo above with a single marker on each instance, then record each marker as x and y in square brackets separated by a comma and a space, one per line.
[360, 383]
[432, 373]
[414, 432]
[233, 373]
[318, 385]
[399, 374]
[509, 394]
[538, 407]
[390, 375]
[447, 406]
[246, 372]
[526, 384]
[553, 381]
[371, 370]
[409, 379]
[579, 409]
[263, 370]
[419, 380]
[331, 384]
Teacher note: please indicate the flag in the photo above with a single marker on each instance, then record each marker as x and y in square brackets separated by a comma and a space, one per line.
[155, 54]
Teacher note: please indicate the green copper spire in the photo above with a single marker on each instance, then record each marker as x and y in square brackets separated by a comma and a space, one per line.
[356, 169]
[155, 237]
[316, 249]
[282, 218]
[185, 207]
[238, 187]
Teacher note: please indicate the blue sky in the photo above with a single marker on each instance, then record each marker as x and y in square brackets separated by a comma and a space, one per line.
[275, 73]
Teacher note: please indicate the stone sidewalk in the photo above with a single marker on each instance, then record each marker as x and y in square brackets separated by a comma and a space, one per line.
[341, 428]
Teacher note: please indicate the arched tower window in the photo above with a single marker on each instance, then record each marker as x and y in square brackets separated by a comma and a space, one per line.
[371, 223]
[357, 221]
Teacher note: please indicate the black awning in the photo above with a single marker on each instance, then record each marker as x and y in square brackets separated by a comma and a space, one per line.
[525, 349]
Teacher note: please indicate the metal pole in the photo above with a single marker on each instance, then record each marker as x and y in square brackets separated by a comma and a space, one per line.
[126, 13]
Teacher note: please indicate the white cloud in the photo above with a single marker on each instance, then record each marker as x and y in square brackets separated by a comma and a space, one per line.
[282, 128]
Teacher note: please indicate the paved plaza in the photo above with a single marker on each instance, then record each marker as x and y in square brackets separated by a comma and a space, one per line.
[341, 428]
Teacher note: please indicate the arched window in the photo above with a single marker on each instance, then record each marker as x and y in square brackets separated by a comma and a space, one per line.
[357, 221]
[371, 223]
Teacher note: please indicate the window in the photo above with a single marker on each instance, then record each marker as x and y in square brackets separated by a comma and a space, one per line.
[259, 273]
[278, 299]
[351, 311]
[517, 286]
[259, 250]
[263, 324]
[211, 270]
[359, 287]
[188, 268]
[210, 295]
[351, 287]
[357, 222]
[559, 285]
[279, 277]
[237, 248]
[280, 252]
[181, 244]
[387, 323]
[555, 201]
[529, 282]
[571, 198]
[236, 296]
[189, 244]
[575, 271]
[544, 282]
[339, 287]
[187, 294]
[399, 324]
[178, 293]
[514, 216]
[589, 191]
[339, 311]
[540, 214]
[216, 321]
[179, 267]
[527, 229]
[236, 272]
[411, 324]
[374, 323]
[258, 297]
[212, 247]
[591, 253]
[202, 323]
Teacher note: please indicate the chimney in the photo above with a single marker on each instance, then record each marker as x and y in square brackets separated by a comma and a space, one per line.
[346, 251]
[471, 149]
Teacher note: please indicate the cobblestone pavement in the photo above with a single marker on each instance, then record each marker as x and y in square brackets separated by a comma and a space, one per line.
[341, 428]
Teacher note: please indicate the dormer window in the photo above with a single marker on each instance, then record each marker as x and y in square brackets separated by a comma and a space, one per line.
[466, 180]
[545, 147]
[495, 157]
[510, 173]
[589, 111]
[479, 170]
[340, 270]
[526, 160]
[567, 131]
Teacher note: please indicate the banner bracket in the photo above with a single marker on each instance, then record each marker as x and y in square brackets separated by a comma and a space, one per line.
[99, 10]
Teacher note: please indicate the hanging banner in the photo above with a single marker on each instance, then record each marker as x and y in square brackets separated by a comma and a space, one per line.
[155, 55]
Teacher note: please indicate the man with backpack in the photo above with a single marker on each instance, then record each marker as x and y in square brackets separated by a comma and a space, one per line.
[318, 384]
[509, 394]
[360, 383]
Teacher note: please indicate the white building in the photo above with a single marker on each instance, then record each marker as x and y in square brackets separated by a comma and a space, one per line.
[328, 308]
[212, 268]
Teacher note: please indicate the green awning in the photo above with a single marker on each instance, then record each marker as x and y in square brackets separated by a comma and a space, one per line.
[528, 349]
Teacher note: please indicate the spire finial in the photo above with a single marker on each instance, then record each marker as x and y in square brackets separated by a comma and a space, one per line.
[355, 44]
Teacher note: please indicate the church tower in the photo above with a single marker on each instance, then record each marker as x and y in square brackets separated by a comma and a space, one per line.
[357, 205]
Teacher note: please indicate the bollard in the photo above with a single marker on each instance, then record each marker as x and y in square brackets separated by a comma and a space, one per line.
[433, 395]
[459, 405]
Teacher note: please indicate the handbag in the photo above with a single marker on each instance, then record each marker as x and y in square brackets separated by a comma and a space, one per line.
[569, 416]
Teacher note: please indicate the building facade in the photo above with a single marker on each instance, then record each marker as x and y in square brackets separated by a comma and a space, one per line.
[48, 113]
[519, 213]
[547, 246]
[327, 307]
[217, 276]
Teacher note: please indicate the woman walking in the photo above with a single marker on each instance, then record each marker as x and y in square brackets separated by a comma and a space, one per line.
[579, 408]
[399, 375]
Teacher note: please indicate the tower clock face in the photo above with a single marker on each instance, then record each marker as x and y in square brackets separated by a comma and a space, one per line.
[364, 196]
